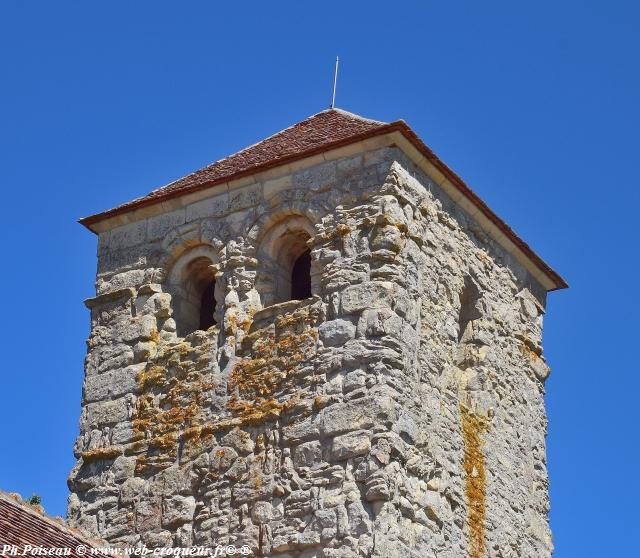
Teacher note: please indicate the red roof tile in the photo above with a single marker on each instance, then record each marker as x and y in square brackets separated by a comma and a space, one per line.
[22, 525]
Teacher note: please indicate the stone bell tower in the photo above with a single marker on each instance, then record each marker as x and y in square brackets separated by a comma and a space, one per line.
[325, 345]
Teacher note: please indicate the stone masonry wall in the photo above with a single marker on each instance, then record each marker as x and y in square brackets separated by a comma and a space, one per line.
[397, 412]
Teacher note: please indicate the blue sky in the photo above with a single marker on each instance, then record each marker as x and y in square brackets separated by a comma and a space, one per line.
[536, 105]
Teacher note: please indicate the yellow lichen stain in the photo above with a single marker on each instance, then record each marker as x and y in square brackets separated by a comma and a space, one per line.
[231, 324]
[255, 471]
[192, 433]
[166, 442]
[527, 348]
[245, 325]
[261, 384]
[529, 352]
[170, 405]
[473, 426]
[151, 375]
[171, 418]
[387, 220]
[319, 402]
[155, 336]
[343, 229]
[101, 453]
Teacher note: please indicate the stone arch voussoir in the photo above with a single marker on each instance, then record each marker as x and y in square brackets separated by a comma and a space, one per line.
[257, 228]
[187, 237]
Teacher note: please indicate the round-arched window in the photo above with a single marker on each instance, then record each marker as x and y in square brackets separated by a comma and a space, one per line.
[192, 285]
[285, 263]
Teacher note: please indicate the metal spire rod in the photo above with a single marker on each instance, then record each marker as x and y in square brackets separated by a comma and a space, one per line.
[335, 81]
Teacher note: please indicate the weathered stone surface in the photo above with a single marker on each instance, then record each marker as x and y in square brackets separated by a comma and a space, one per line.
[376, 294]
[397, 412]
[299, 431]
[239, 440]
[336, 332]
[177, 510]
[308, 454]
[214, 206]
[350, 445]
[355, 415]
[160, 225]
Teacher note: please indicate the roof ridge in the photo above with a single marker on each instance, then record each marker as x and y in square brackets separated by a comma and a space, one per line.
[354, 115]
[343, 112]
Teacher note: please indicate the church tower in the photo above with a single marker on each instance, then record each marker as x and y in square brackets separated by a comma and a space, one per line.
[325, 345]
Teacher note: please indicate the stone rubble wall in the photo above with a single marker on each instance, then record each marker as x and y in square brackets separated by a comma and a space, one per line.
[397, 412]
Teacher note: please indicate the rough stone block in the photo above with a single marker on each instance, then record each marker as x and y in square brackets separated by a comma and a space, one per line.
[96, 387]
[131, 489]
[263, 512]
[177, 510]
[148, 514]
[210, 207]
[336, 332]
[377, 322]
[245, 197]
[356, 415]
[159, 225]
[124, 380]
[247, 494]
[277, 185]
[123, 468]
[221, 458]
[308, 454]
[107, 412]
[350, 445]
[140, 328]
[239, 440]
[127, 236]
[317, 179]
[306, 429]
[373, 294]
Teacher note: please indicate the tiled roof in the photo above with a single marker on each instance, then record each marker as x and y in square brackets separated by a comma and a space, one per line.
[319, 133]
[21, 524]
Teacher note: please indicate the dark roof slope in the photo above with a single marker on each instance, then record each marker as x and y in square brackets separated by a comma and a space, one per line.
[20, 525]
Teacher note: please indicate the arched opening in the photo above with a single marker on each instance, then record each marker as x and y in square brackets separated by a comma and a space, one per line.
[292, 266]
[301, 277]
[192, 285]
[196, 307]
[286, 268]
